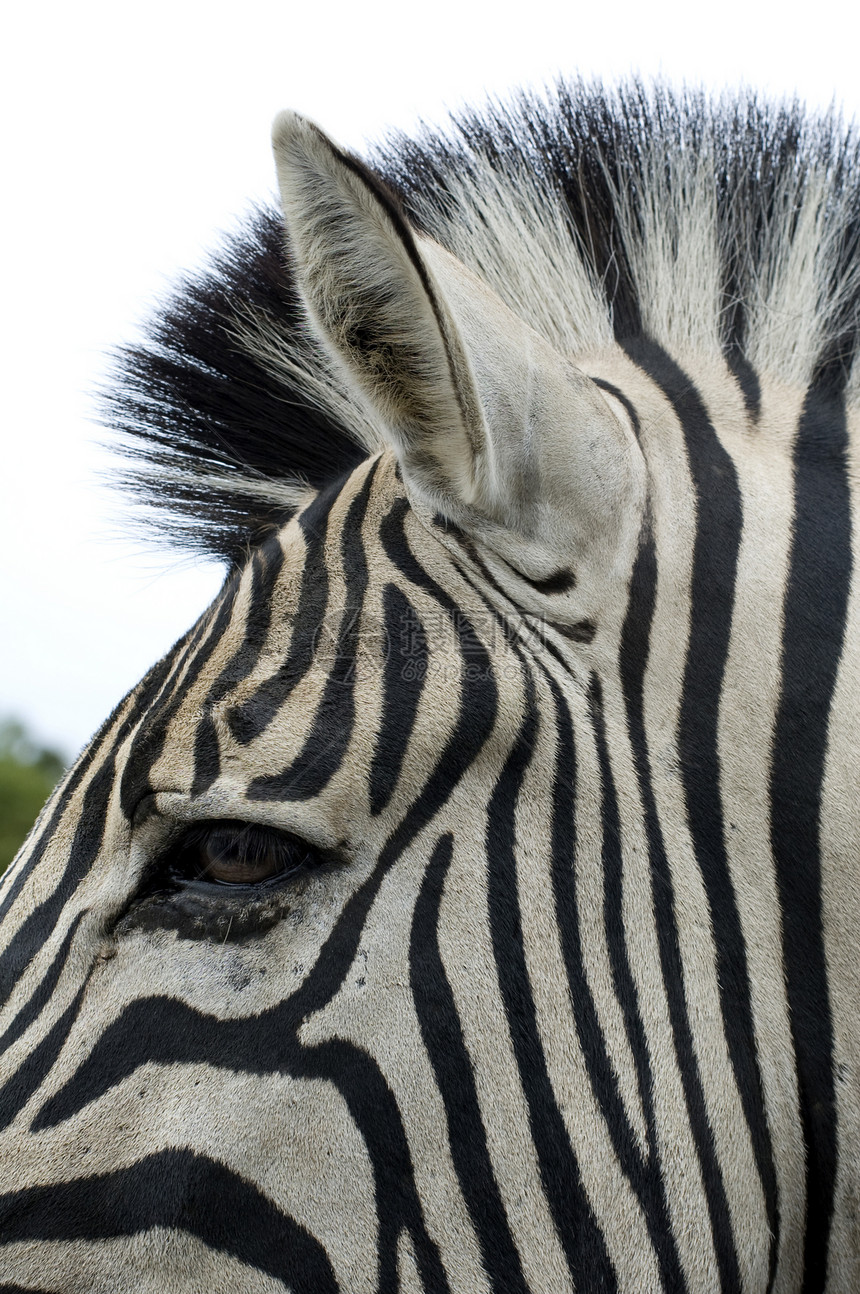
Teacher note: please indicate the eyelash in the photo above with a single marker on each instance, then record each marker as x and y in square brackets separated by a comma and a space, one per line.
[260, 857]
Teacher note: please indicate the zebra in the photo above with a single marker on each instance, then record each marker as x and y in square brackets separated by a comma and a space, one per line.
[468, 902]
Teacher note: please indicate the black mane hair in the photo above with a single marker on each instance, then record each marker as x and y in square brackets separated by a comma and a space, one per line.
[230, 408]
[211, 432]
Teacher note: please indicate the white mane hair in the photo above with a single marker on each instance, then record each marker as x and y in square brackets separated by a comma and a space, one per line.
[722, 225]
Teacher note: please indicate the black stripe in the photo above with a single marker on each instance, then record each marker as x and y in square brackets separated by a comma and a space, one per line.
[248, 720]
[635, 640]
[179, 1190]
[266, 565]
[816, 608]
[650, 1185]
[148, 743]
[747, 379]
[715, 558]
[374, 1110]
[402, 684]
[30, 1010]
[207, 755]
[24, 1081]
[468, 546]
[28, 1289]
[569, 920]
[142, 696]
[578, 1231]
[582, 631]
[13, 883]
[207, 751]
[333, 723]
[30, 935]
[622, 400]
[561, 581]
[443, 1037]
[529, 627]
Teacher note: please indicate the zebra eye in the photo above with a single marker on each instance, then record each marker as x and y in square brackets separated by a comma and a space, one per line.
[223, 880]
[239, 853]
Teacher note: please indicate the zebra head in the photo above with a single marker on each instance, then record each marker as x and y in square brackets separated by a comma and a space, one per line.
[420, 921]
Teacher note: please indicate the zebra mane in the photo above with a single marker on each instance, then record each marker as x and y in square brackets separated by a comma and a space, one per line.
[727, 226]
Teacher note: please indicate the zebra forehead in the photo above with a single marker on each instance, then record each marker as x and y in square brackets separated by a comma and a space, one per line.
[341, 608]
[323, 572]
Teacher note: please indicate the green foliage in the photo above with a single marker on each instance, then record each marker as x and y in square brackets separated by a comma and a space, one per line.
[28, 774]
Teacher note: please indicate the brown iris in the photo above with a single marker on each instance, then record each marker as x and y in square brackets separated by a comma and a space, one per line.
[240, 853]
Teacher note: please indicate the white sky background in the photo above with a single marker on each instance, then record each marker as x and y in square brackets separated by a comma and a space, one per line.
[132, 136]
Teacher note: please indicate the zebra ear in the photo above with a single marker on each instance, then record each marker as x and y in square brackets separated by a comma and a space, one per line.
[480, 410]
[375, 304]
